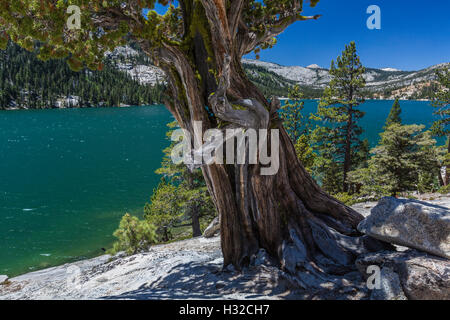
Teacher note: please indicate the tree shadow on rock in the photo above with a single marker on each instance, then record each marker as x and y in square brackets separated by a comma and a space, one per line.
[208, 281]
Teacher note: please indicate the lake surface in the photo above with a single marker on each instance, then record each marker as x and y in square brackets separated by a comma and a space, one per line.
[68, 176]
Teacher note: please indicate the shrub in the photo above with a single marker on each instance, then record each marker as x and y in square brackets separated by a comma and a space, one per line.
[346, 198]
[444, 190]
[133, 235]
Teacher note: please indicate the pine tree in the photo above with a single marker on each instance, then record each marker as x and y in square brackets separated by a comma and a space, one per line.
[338, 139]
[298, 126]
[441, 101]
[163, 211]
[291, 112]
[305, 152]
[405, 160]
[394, 114]
[133, 235]
[181, 199]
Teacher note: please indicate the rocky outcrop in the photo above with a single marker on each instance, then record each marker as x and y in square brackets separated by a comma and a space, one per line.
[213, 229]
[410, 223]
[3, 279]
[188, 269]
[422, 276]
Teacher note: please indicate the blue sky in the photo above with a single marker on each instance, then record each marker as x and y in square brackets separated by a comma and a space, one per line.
[414, 34]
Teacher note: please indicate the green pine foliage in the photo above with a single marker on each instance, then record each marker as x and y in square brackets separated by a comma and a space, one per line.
[134, 235]
[181, 199]
[444, 190]
[294, 122]
[406, 159]
[164, 210]
[337, 140]
[298, 126]
[305, 152]
[441, 103]
[27, 82]
[394, 114]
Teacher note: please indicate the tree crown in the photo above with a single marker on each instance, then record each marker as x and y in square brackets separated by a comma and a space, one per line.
[441, 102]
[241, 26]
[394, 114]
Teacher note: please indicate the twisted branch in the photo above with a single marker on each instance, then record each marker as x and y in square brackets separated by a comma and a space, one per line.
[256, 116]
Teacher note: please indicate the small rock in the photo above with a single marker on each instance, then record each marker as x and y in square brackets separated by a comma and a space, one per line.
[390, 287]
[3, 278]
[261, 258]
[213, 228]
[410, 223]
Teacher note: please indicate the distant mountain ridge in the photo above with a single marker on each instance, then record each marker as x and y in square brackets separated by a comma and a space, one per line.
[377, 79]
[275, 79]
[130, 79]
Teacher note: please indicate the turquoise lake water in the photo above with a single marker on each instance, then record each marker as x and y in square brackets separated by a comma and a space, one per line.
[67, 176]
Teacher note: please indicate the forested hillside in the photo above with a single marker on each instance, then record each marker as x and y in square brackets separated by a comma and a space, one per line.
[27, 82]
[129, 78]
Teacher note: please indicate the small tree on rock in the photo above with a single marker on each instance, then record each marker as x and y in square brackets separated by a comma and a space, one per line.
[134, 235]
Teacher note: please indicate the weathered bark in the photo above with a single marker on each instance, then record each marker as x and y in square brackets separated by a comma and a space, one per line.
[447, 169]
[444, 180]
[348, 145]
[166, 234]
[440, 179]
[196, 231]
[287, 214]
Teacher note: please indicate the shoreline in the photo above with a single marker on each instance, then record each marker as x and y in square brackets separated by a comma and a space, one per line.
[162, 104]
[97, 107]
[63, 261]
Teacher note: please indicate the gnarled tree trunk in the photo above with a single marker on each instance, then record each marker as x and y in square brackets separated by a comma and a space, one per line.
[287, 214]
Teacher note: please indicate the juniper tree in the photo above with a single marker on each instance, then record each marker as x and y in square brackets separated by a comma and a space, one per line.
[200, 44]
[338, 138]
[441, 101]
